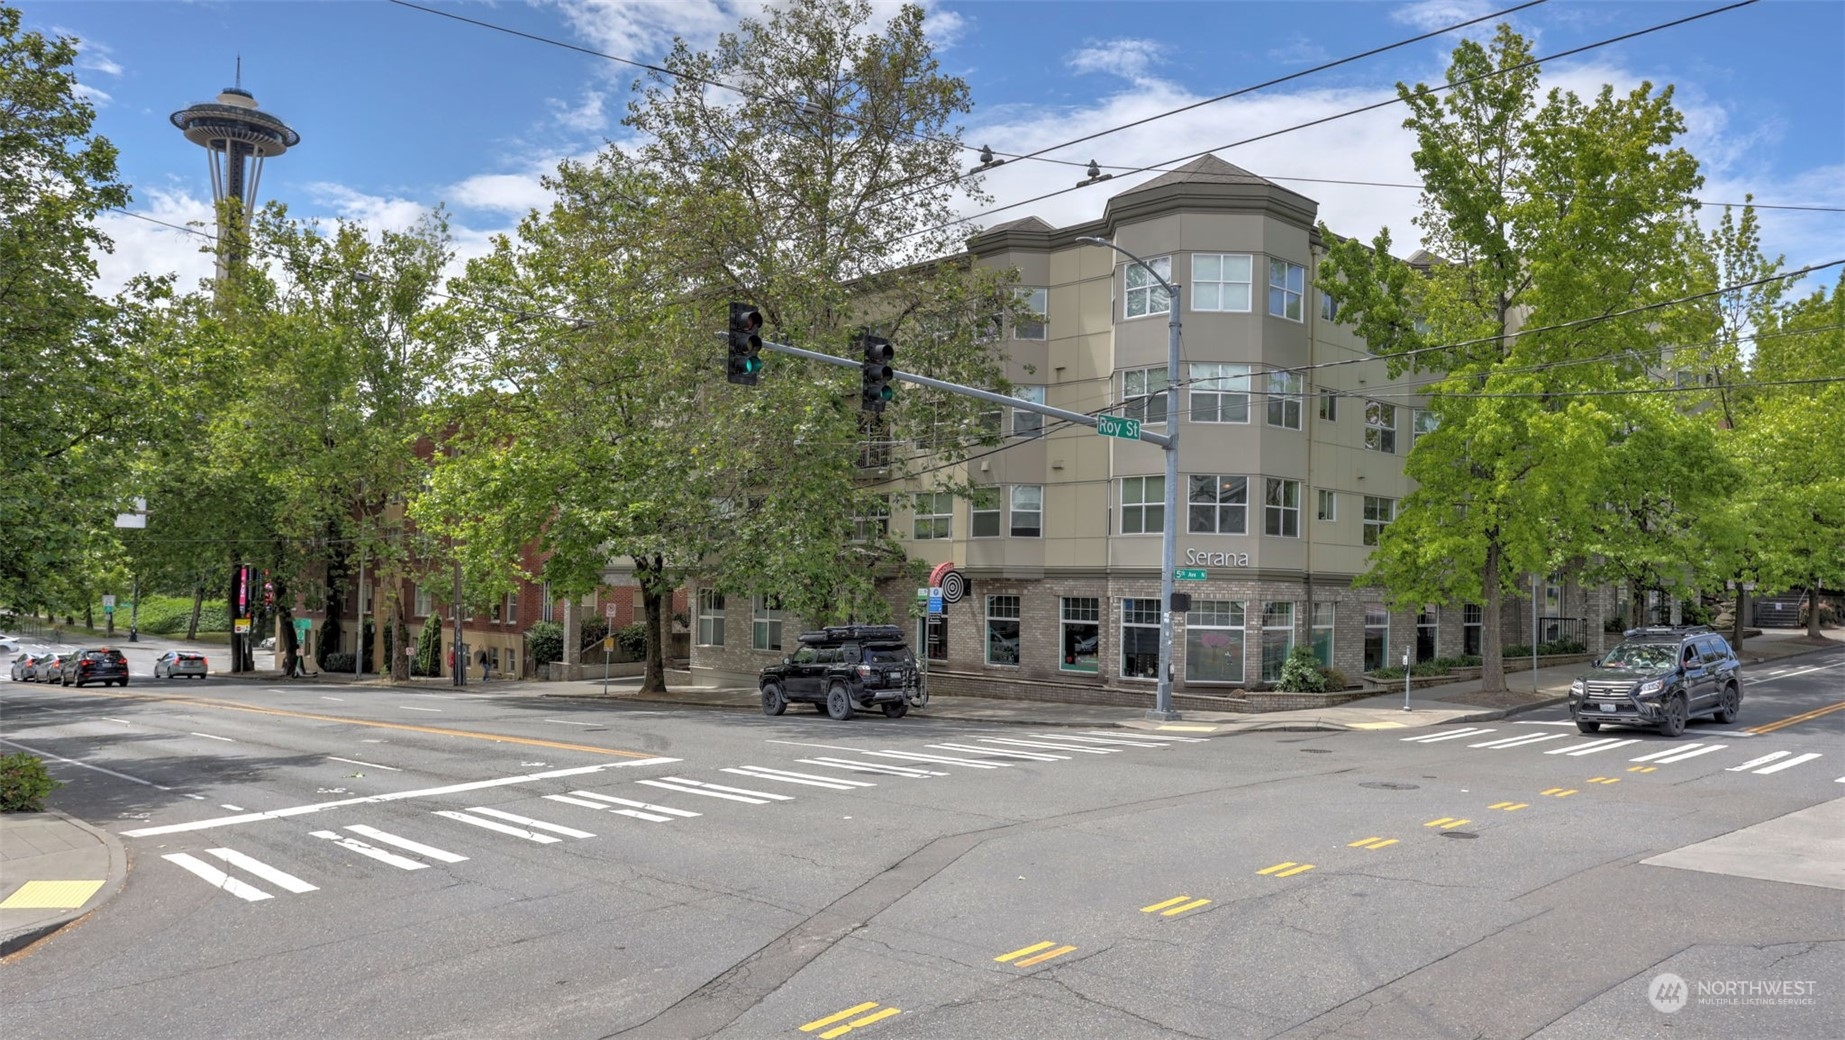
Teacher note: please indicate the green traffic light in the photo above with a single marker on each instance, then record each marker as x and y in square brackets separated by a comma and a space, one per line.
[886, 393]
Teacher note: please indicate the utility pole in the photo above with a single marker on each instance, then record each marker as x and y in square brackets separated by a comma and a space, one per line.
[460, 651]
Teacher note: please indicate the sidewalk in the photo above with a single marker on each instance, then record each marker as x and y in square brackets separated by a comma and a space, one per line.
[54, 870]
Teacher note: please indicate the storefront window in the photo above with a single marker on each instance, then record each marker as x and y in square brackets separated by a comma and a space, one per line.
[1140, 639]
[1214, 641]
[1081, 618]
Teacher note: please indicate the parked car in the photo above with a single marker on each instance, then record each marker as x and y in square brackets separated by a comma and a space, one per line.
[26, 663]
[175, 663]
[843, 669]
[50, 668]
[1660, 677]
[103, 664]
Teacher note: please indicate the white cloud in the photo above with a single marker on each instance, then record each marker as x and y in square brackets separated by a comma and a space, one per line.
[96, 97]
[1433, 14]
[1128, 58]
[585, 117]
[145, 247]
[515, 193]
[642, 30]
[1299, 51]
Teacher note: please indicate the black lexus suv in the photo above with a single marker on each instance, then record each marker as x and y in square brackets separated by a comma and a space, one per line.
[843, 669]
[1660, 678]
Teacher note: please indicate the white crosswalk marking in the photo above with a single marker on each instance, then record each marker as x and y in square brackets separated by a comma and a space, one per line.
[1764, 760]
[439, 855]
[278, 878]
[810, 780]
[870, 767]
[640, 810]
[940, 760]
[1046, 746]
[1521, 740]
[1166, 737]
[699, 787]
[1691, 752]
[371, 851]
[1790, 763]
[217, 878]
[1101, 740]
[1029, 756]
[1597, 750]
[1433, 738]
[1663, 754]
[568, 832]
[1587, 749]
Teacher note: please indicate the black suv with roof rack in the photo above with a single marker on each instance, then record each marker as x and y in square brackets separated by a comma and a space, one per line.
[846, 668]
[1660, 677]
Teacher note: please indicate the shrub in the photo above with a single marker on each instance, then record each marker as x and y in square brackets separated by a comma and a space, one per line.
[1335, 679]
[1300, 673]
[24, 783]
[544, 643]
[340, 662]
[592, 632]
[631, 642]
[428, 659]
[1463, 661]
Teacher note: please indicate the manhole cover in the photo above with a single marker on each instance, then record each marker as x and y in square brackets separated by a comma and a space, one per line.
[1459, 834]
[1315, 750]
[1388, 785]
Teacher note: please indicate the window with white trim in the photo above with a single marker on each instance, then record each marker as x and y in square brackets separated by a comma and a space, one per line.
[1284, 399]
[1220, 393]
[710, 617]
[1379, 512]
[1140, 639]
[1381, 427]
[1143, 394]
[512, 608]
[766, 622]
[1145, 295]
[1377, 636]
[1329, 306]
[983, 513]
[1328, 506]
[1217, 504]
[873, 519]
[1027, 423]
[1031, 325]
[1221, 281]
[1329, 406]
[547, 607]
[1080, 636]
[1425, 632]
[1003, 630]
[1281, 515]
[1286, 283]
[1422, 421]
[1027, 511]
[1143, 505]
[1214, 641]
[1471, 616]
[425, 603]
[1323, 633]
[934, 516]
[1277, 638]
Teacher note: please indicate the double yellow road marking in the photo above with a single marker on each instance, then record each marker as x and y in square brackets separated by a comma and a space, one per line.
[1558, 792]
[863, 1020]
[1604, 779]
[1176, 905]
[1511, 806]
[1641, 769]
[1447, 823]
[1022, 958]
[1288, 869]
[1794, 720]
[1370, 843]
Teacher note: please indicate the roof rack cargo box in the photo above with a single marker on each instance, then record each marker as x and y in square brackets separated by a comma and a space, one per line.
[854, 633]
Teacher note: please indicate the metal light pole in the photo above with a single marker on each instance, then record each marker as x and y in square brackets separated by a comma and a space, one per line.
[1162, 707]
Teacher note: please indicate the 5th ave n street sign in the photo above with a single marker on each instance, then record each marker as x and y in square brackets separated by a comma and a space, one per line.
[1189, 574]
[1116, 426]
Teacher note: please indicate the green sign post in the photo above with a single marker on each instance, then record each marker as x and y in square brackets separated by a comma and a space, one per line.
[1116, 426]
[1190, 574]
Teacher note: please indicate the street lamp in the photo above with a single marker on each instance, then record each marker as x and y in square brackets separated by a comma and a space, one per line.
[1162, 707]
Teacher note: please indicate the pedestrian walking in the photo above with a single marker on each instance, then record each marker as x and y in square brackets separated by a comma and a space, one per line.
[483, 665]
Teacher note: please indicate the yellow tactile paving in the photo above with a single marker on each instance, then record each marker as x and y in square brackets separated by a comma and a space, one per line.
[51, 895]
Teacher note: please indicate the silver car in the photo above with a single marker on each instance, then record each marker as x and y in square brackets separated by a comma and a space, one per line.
[175, 663]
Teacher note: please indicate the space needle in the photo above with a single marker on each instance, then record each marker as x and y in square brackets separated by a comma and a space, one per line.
[237, 136]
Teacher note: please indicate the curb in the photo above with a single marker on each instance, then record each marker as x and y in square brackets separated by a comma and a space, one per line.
[22, 940]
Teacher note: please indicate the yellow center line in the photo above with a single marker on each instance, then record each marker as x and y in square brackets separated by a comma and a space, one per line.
[1793, 720]
[876, 1016]
[498, 738]
[1193, 905]
[1174, 901]
[1033, 948]
[1045, 956]
[830, 1019]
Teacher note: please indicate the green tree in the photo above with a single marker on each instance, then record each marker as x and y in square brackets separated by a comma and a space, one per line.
[817, 195]
[1548, 217]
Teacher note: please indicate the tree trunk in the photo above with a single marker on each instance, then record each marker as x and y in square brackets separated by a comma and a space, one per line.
[1813, 607]
[1736, 623]
[198, 604]
[650, 570]
[1492, 639]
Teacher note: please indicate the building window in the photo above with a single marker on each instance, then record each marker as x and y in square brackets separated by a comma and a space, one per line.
[1379, 512]
[935, 514]
[1329, 306]
[547, 607]
[512, 608]
[1027, 423]
[1027, 510]
[1323, 633]
[1143, 394]
[873, 519]
[1214, 641]
[1145, 294]
[1143, 505]
[983, 513]
[1425, 633]
[710, 617]
[1031, 325]
[1220, 281]
[493, 613]
[990, 425]
[1217, 505]
[424, 602]
[1422, 421]
[1329, 406]
[1081, 637]
[1377, 636]
[1284, 400]
[1471, 614]
[1327, 507]
[1286, 283]
[766, 623]
[1220, 393]
[1277, 638]
[512, 661]
[1140, 638]
[1003, 630]
[1282, 515]
[1381, 427]
[937, 636]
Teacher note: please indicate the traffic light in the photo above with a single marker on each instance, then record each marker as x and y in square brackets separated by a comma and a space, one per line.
[875, 372]
[745, 359]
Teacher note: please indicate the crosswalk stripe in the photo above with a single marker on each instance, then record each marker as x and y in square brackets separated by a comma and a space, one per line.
[279, 878]
[1432, 738]
[440, 855]
[217, 878]
[870, 767]
[649, 806]
[1591, 746]
[940, 760]
[1102, 740]
[1011, 742]
[1029, 756]
[1598, 750]
[1662, 754]
[764, 773]
[1790, 763]
[568, 832]
[729, 794]
[1519, 741]
[1692, 752]
[1164, 737]
[371, 851]
[1764, 760]
[517, 832]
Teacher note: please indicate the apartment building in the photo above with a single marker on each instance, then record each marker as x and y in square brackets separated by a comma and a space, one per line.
[1290, 467]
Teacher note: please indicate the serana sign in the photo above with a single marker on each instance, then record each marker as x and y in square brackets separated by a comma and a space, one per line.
[1202, 558]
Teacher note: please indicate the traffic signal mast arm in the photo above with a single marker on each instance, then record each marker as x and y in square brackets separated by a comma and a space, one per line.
[966, 391]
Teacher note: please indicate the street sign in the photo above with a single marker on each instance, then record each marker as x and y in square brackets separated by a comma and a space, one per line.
[1116, 426]
[922, 593]
[241, 626]
[1190, 574]
[303, 624]
[608, 610]
[935, 601]
[608, 644]
[108, 602]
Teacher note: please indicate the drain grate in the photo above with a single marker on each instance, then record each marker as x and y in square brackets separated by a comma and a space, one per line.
[1459, 834]
[1389, 785]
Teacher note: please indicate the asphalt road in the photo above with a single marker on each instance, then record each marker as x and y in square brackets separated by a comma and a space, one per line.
[366, 862]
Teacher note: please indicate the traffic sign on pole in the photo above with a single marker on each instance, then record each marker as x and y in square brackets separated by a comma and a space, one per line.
[1190, 574]
[1117, 426]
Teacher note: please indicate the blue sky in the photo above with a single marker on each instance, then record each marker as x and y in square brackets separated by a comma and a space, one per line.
[400, 110]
